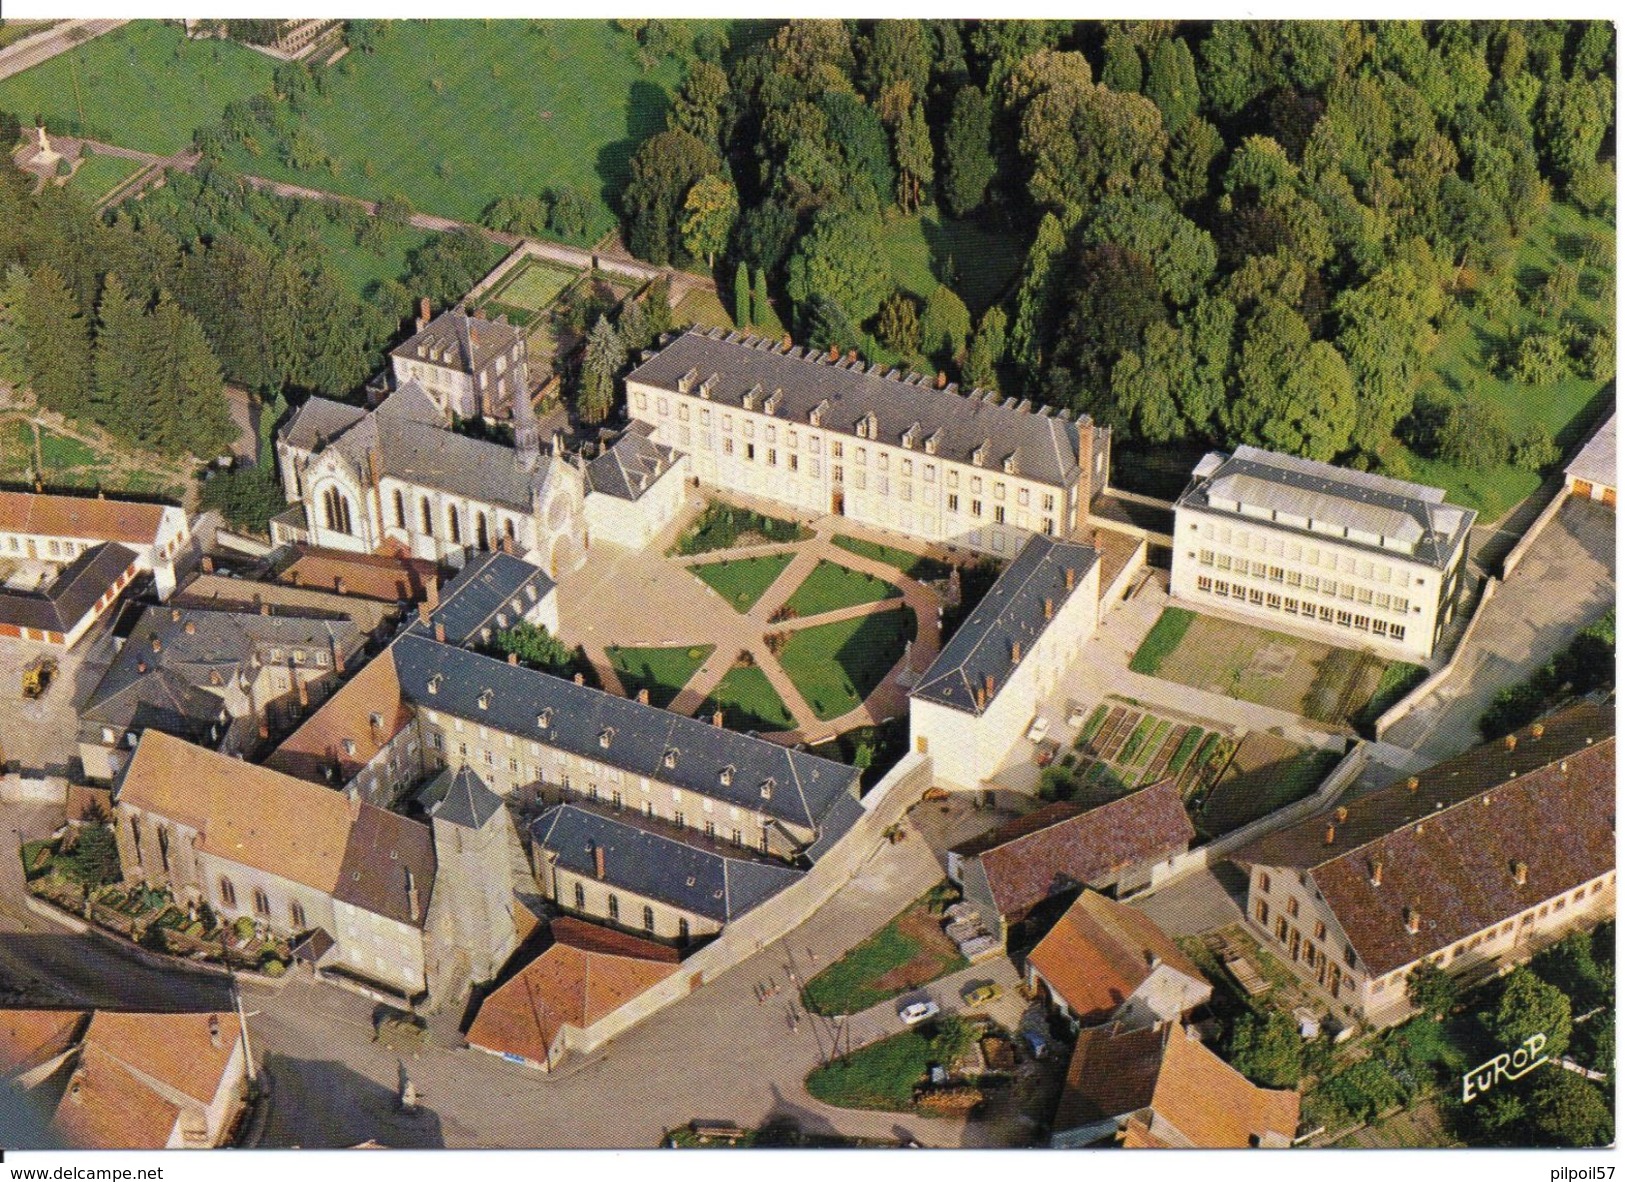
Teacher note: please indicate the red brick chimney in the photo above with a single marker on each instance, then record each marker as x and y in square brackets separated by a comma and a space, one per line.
[440, 632]
[716, 719]
[423, 612]
[580, 679]
[338, 658]
[425, 313]
[1331, 834]
[1376, 873]
[1049, 608]
[598, 861]
[1520, 873]
[304, 694]
[340, 586]
[643, 696]
[513, 658]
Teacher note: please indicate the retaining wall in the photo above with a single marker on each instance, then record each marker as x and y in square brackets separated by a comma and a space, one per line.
[1410, 701]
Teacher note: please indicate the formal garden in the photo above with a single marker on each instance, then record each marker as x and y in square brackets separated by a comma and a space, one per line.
[747, 700]
[726, 527]
[742, 581]
[661, 671]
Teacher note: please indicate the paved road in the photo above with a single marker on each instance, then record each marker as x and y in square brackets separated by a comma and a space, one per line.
[31, 51]
[1565, 580]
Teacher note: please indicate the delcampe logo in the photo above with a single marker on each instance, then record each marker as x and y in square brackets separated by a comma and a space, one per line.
[1505, 1066]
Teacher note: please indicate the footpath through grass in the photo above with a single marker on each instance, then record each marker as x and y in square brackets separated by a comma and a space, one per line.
[915, 566]
[836, 666]
[661, 671]
[97, 176]
[832, 587]
[1160, 643]
[743, 581]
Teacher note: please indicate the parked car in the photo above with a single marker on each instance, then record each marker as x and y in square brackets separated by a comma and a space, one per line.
[1036, 1043]
[983, 995]
[919, 1011]
[1038, 730]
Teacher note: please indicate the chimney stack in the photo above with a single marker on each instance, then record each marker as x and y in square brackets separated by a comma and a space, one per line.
[1413, 920]
[140, 666]
[1341, 815]
[1376, 873]
[265, 728]
[1049, 608]
[338, 658]
[207, 564]
[987, 684]
[643, 696]
[440, 632]
[716, 719]
[1512, 742]
[1331, 834]
[157, 645]
[942, 380]
[214, 1031]
[431, 592]
[423, 612]
[580, 679]
[1413, 784]
[174, 614]
[1520, 873]
[304, 693]
[598, 861]
[340, 586]
[1537, 730]
[1071, 578]
[424, 313]
[1015, 652]
[513, 658]
[265, 609]
[412, 901]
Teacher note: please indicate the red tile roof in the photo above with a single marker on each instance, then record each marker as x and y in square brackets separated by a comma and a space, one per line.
[1100, 952]
[1197, 1098]
[80, 517]
[1059, 848]
[376, 576]
[587, 973]
[1448, 848]
[29, 1038]
[318, 744]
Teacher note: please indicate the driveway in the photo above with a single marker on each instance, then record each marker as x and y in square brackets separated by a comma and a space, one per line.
[1563, 583]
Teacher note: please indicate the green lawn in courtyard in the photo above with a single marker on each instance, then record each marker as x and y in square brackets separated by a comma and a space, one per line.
[534, 284]
[915, 566]
[836, 666]
[879, 1076]
[831, 587]
[1161, 641]
[661, 671]
[143, 86]
[748, 702]
[742, 581]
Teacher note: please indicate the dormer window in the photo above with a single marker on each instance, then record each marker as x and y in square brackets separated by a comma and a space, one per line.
[771, 406]
[815, 416]
[979, 456]
[912, 436]
[767, 788]
[1010, 464]
[685, 384]
[434, 684]
[752, 397]
[606, 737]
[670, 759]
[544, 720]
[931, 443]
[485, 699]
[727, 775]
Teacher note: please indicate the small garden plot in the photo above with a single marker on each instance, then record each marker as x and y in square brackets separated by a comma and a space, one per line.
[743, 581]
[533, 285]
[725, 527]
[885, 1075]
[748, 702]
[661, 671]
[915, 566]
[832, 587]
[908, 952]
[1266, 774]
[836, 666]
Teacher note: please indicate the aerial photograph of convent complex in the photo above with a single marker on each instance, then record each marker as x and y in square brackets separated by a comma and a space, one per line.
[807, 583]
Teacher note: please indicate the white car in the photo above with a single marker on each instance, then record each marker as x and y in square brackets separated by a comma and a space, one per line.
[916, 1012]
[1038, 730]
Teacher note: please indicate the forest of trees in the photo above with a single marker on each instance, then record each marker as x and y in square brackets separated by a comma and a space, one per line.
[1233, 232]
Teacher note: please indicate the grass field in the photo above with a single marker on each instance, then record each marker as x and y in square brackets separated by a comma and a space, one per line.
[455, 114]
[1261, 781]
[359, 268]
[661, 671]
[748, 702]
[905, 954]
[702, 308]
[930, 248]
[831, 587]
[12, 32]
[836, 666]
[915, 566]
[1161, 641]
[122, 87]
[1463, 360]
[879, 1076]
[742, 581]
[97, 176]
[533, 285]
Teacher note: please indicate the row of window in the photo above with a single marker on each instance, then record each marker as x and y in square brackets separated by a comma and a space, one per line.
[613, 910]
[454, 522]
[1325, 614]
[1330, 588]
[1273, 545]
[262, 905]
[56, 548]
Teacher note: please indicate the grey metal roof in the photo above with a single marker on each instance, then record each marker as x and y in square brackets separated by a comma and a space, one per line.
[71, 594]
[320, 421]
[490, 584]
[800, 789]
[459, 341]
[463, 798]
[1011, 613]
[706, 882]
[1045, 446]
[1282, 489]
[630, 467]
[1598, 461]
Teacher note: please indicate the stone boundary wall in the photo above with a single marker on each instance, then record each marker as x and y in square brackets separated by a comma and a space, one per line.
[884, 807]
[1410, 701]
[1516, 554]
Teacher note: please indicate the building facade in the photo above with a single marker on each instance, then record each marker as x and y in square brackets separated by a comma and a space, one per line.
[980, 695]
[1593, 474]
[469, 367]
[1355, 899]
[823, 435]
[39, 527]
[634, 490]
[1352, 558]
[70, 601]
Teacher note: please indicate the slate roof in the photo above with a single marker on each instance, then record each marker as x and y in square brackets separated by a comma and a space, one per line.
[347, 715]
[1429, 530]
[1598, 461]
[490, 583]
[1046, 446]
[1202, 1101]
[1448, 847]
[630, 467]
[223, 593]
[81, 517]
[385, 855]
[586, 974]
[72, 594]
[704, 882]
[464, 799]
[319, 421]
[472, 343]
[804, 788]
[1100, 952]
[1063, 846]
[1010, 614]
